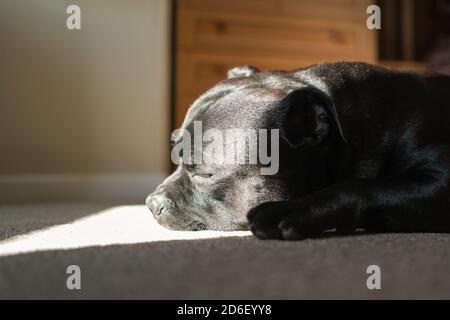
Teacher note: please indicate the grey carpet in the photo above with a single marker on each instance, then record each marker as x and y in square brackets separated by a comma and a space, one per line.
[412, 265]
[21, 219]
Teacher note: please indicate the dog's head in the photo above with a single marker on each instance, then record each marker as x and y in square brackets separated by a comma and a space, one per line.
[208, 191]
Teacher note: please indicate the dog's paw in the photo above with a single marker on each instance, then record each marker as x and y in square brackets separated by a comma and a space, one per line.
[281, 220]
[298, 226]
[263, 220]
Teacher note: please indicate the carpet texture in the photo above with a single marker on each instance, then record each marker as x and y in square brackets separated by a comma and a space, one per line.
[233, 267]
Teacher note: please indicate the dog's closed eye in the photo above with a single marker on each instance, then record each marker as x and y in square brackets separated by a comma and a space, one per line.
[203, 175]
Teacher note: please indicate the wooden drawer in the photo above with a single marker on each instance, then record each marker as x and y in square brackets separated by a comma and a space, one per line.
[211, 32]
[214, 35]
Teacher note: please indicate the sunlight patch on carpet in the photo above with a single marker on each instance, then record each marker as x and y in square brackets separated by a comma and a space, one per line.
[116, 225]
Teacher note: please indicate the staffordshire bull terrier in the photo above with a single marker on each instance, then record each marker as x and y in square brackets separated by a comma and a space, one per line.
[361, 147]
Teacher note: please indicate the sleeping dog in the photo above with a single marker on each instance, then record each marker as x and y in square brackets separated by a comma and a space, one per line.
[361, 147]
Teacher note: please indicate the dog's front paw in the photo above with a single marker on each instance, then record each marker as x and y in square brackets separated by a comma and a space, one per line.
[297, 226]
[281, 220]
[263, 220]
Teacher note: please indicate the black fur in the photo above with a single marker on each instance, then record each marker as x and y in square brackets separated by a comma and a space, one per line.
[363, 147]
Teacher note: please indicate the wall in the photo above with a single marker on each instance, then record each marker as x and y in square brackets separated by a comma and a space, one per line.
[85, 107]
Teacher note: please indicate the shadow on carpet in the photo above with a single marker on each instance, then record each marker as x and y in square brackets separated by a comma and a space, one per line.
[412, 266]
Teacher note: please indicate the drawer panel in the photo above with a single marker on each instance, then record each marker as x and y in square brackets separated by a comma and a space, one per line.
[212, 32]
[342, 10]
[336, 10]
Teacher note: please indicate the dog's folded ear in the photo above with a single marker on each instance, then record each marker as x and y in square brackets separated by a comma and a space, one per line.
[308, 117]
[243, 71]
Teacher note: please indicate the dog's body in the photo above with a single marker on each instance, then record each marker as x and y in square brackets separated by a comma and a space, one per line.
[363, 147]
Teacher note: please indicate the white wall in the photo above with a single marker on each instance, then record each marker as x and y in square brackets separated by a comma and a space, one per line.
[84, 105]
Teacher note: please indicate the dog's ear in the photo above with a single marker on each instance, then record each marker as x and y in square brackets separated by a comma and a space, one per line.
[243, 71]
[308, 117]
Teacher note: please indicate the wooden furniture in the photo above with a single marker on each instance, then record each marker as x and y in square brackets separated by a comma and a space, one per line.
[215, 35]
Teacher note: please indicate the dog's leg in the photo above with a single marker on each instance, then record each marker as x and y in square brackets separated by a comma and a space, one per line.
[416, 200]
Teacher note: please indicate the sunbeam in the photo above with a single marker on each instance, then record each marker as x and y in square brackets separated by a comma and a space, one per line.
[116, 225]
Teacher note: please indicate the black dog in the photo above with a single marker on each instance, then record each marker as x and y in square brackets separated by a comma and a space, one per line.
[362, 147]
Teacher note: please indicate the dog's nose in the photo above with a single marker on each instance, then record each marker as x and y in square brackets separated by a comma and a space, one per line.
[156, 203]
